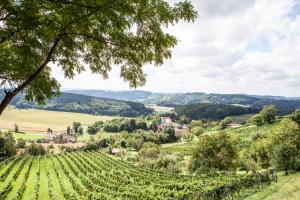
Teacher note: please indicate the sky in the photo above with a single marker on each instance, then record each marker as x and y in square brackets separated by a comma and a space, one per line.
[235, 46]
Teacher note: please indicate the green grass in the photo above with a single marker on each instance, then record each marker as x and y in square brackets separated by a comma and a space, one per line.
[240, 119]
[287, 188]
[184, 148]
[27, 136]
[38, 121]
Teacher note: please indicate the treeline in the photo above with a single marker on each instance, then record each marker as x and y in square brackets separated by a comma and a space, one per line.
[122, 125]
[212, 111]
[86, 104]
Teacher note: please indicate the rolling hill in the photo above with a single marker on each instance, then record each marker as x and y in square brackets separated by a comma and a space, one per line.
[87, 104]
[284, 104]
[212, 111]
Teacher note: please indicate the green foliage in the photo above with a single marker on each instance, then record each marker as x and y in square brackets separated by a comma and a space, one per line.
[35, 150]
[285, 145]
[149, 151]
[211, 111]
[268, 114]
[296, 116]
[76, 126]
[16, 128]
[68, 130]
[7, 145]
[73, 35]
[20, 143]
[256, 120]
[132, 125]
[216, 151]
[225, 122]
[198, 130]
[154, 126]
[80, 130]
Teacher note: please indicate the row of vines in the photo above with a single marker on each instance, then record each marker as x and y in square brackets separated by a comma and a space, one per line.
[95, 175]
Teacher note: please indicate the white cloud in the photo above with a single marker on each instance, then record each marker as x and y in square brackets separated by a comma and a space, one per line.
[233, 47]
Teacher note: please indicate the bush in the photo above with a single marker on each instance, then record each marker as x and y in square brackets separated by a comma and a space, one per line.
[35, 150]
[20, 144]
[216, 151]
[285, 145]
[149, 151]
[7, 145]
[198, 130]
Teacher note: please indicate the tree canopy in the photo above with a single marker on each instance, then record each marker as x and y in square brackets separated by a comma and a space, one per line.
[76, 35]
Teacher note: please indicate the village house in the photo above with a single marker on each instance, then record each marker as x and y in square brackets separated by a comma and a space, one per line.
[65, 138]
[165, 121]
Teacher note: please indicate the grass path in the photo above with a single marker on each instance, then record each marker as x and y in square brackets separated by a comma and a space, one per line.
[287, 188]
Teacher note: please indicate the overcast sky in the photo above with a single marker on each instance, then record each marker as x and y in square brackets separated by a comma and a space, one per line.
[235, 46]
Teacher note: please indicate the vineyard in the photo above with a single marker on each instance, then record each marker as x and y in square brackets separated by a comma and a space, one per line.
[95, 175]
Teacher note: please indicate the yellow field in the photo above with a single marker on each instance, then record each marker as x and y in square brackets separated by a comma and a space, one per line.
[40, 120]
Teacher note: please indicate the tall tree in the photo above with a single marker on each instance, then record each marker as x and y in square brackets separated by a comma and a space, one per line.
[74, 34]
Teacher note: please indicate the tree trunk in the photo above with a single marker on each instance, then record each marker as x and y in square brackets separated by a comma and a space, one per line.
[6, 100]
[10, 95]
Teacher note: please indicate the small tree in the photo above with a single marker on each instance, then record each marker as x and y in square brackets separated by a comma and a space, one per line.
[7, 145]
[35, 150]
[256, 120]
[295, 116]
[149, 151]
[154, 126]
[216, 151]
[268, 114]
[68, 130]
[76, 126]
[225, 122]
[80, 130]
[20, 143]
[284, 156]
[132, 125]
[285, 145]
[198, 130]
[16, 128]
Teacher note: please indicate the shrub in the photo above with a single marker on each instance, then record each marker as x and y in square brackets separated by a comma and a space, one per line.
[216, 151]
[35, 150]
[20, 143]
[7, 145]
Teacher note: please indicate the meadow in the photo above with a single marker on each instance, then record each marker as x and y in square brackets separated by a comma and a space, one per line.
[38, 121]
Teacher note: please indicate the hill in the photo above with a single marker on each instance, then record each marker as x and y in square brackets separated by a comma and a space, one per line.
[284, 104]
[87, 104]
[212, 111]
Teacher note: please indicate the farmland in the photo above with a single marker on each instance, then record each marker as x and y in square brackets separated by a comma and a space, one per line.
[37, 121]
[95, 175]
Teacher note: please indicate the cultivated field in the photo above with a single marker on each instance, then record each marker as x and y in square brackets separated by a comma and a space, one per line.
[38, 121]
[95, 175]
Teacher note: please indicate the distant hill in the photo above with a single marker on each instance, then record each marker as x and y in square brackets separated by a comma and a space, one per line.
[284, 104]
[212, 111]
[87, 104]
[134, 95]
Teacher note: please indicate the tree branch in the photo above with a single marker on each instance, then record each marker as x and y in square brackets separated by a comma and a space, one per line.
[89, 36]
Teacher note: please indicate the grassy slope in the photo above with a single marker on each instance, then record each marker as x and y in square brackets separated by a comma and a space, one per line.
[39, 120]
[287, 188]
